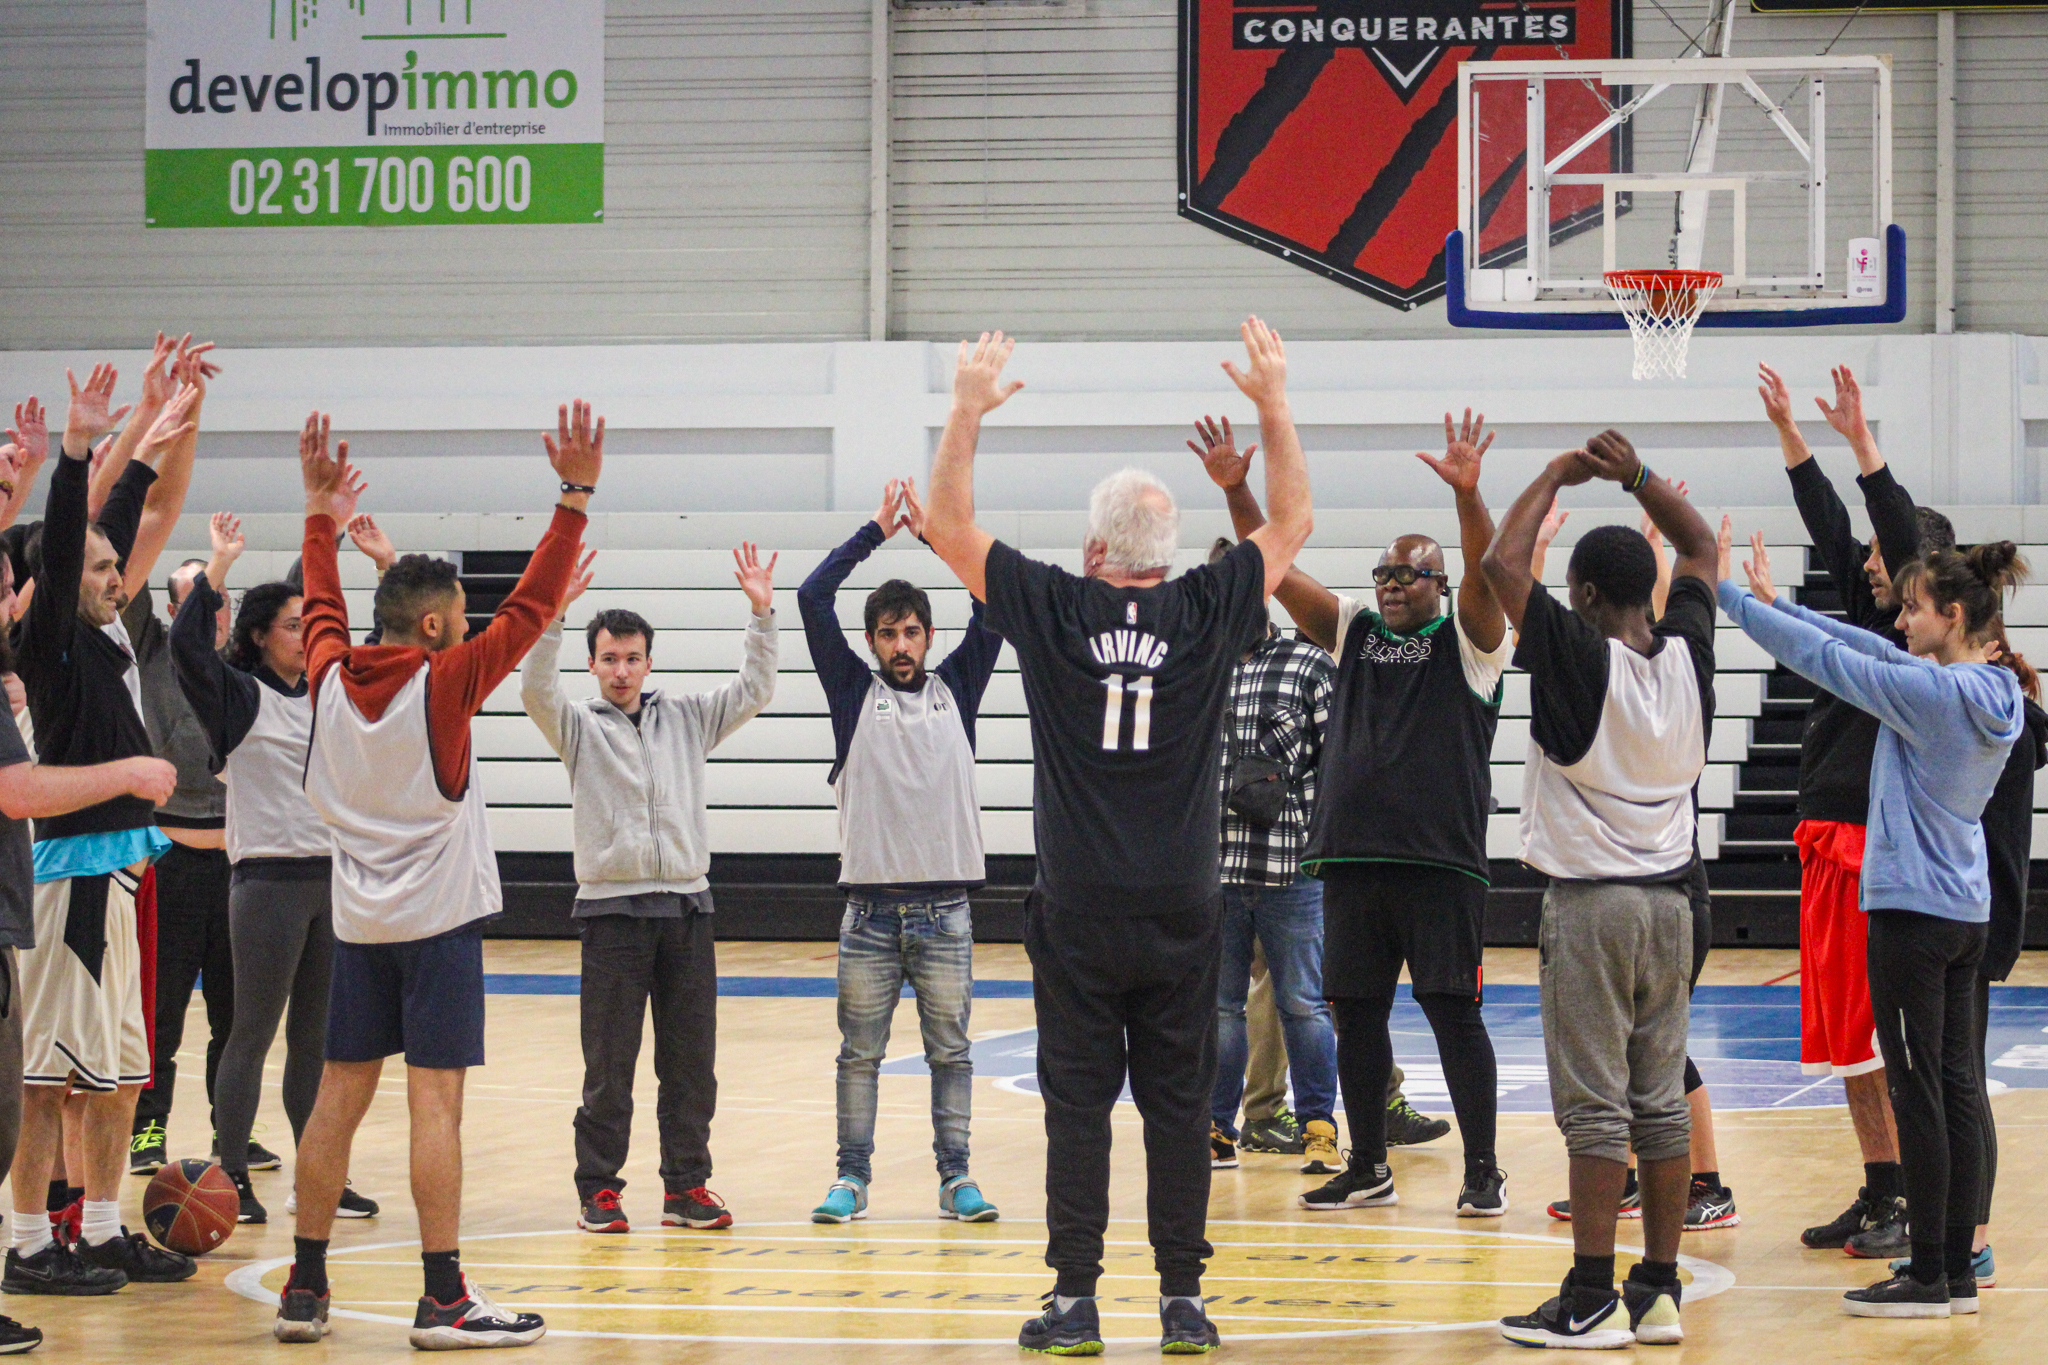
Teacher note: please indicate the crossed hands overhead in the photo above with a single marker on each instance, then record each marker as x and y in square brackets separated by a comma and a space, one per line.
[900, 509]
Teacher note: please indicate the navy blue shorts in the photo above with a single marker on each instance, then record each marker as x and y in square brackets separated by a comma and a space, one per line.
[424, 998]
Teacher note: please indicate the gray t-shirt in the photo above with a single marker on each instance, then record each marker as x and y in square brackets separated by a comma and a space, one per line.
[17, 861]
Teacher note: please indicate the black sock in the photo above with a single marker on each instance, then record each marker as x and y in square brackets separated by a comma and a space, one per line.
[1711, 1179]
[1926, 1266]
[1883, 1179]
[1660, 1273]
[1594, 1272]
[59, 1197]
[72, 1194]
[1959, 1251]
[444, 1275]
[1630, 1187]
[309, 1270]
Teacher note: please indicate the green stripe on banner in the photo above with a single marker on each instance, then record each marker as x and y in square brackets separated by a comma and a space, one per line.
[393, 186]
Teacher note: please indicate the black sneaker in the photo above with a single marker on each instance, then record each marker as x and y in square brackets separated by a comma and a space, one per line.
[1185, 1329]
[1881, 1239]
[1406, 1127]
[146, 1150]
[261, 1158]
[1901, 1296]
[1485, 1194]
[1222, 1151]
[1076, 1332]
[16, 1339]
[1355, 1187]
[301, 1314]
[1710, 1208]
[57, 1269]
[695, 1208]
[252, 1208]
[472, 1321]
[602, 1212]
[1653, 1310]
[1577, 1319]
[132, 1254]
[1278, 1136]
[1962, 1295]
[1868, 1211]
[354, 1205]
[1631, 1208]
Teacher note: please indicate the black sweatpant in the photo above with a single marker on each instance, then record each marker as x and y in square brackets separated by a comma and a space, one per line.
[626, 962]
[193, 945]
[1923, 995]
[1119, 995]
[1365, 1063]
[1990, 1170]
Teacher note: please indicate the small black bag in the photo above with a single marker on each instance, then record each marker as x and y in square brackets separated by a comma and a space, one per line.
[1258, 790]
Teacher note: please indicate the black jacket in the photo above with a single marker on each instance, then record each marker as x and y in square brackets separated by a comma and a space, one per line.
[2009, 844]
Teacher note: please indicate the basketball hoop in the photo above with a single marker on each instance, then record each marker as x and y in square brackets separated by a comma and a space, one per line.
[1661, 306]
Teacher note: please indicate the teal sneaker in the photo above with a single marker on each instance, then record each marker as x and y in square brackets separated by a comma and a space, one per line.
[1983, 1268]
[961, 1198]
[846, 1201]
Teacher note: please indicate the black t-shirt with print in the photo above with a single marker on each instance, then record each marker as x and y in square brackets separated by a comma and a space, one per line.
[1127, 688]
[17, 860]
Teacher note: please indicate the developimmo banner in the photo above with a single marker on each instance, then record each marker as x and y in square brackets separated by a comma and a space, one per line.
[332, 113]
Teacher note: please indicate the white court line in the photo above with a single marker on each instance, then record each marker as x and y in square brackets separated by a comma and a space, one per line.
[1709, 1279]
[620, 1306]
[1031, 1269]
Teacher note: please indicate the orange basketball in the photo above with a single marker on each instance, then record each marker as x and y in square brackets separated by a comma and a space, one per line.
[191, 1206]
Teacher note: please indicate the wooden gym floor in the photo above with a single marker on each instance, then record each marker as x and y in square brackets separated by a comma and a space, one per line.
[1397, 1284]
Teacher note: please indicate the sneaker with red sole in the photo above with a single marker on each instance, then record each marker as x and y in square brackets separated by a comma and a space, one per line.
[1631, 1207]
[603, 1213]
[698, 1208]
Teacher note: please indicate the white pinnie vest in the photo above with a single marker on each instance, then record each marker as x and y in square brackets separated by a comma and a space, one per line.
[1624, 810]
[268, 813]
[408, 862]
[908, 811]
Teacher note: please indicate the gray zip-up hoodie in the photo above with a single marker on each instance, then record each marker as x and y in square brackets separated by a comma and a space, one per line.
[637, 791]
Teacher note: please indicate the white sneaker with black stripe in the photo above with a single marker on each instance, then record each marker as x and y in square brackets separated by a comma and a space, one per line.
[471, 1322]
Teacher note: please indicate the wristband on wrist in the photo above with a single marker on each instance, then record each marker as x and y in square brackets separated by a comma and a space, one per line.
[568, 487]
[1642, 477]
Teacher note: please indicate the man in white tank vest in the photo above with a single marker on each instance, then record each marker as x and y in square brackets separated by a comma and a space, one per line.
[643, 899]
[392, 772]
[1619, 715]
[909, 850]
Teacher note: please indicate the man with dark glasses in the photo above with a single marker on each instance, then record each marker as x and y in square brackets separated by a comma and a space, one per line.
[1411, 729]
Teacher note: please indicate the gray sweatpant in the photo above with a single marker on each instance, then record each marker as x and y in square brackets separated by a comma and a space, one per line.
[1616, 960]
[283, 937]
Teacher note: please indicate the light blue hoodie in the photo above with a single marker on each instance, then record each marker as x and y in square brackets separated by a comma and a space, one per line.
[1945, 734]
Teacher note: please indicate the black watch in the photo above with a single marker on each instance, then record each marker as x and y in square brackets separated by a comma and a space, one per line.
[568, 487]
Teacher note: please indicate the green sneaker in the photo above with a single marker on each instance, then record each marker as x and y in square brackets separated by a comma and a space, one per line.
[146, 1150]
[845, 1202]
[961, 1198]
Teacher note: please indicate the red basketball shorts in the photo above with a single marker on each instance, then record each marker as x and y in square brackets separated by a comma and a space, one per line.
[1836, 1034]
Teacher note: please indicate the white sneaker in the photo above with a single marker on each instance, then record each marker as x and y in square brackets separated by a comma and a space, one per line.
[472, 1322]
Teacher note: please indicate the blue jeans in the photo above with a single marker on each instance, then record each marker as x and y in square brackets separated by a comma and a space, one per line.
[882, 943]
[1288, 923]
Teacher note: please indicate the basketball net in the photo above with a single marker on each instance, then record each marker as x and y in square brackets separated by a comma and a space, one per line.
[1661, 307]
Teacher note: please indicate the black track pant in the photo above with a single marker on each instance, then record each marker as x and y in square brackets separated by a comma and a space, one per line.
[1923, 994]
[193, 946]
[1990, 1176]
[1365, 1061]
[1122, 995]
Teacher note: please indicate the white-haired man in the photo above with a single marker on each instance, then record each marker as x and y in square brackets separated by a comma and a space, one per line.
[1127, 676]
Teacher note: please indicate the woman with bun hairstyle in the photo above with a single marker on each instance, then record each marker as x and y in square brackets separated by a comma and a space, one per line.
[1949, 718]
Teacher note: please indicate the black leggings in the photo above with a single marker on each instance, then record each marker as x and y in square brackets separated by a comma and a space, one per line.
[1923, 995]
[1990, 1175]
[1365, 1061]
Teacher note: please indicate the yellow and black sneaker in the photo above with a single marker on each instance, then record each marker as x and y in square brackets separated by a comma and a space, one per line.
[1222, 1150]
[1185, 1329]
[1075, 1332]
[146, 1149]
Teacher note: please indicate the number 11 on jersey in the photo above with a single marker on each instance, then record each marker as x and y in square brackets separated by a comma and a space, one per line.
[1140, 690]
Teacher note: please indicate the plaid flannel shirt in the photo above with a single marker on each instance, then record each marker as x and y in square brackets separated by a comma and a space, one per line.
[1279, 709]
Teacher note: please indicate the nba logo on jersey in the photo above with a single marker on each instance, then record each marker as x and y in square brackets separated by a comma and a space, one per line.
[1131, 612]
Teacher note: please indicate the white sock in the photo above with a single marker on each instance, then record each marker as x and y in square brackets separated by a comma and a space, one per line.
[102, 1221]
[30, 1233]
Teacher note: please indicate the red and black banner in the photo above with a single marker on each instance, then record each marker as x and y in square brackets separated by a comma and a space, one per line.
[1321, 130]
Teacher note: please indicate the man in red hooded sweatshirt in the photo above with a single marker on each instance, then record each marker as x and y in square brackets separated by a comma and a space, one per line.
[393, 775]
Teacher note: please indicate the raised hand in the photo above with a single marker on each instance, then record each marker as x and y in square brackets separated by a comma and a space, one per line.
[1220, 456]
[889, 515]
[31, 430]
[1610, 456]
[1465, 445]
[579, 582]
[224, 529]
[1553, 522]
[1758, 570]
[1266, 381]
[1723, 544]
[913, 510]
[159, 378]
[332, 484]
[192, 366]
[171, 426]
[978, 385]
[576, 450]
[757, 580]
[362, 529]
[1572, 468]
[89, 418]
[1777, 397]
[1846, 416]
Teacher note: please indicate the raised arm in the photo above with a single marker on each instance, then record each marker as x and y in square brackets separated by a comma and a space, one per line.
[1612, 457]
[157, 387]
[1314, 607]
[1290, 511]
[840, 670]
[332, 488]
[726, 709]
[31, 437]
[1510, 562]
[165, 502]
[1846, 417]
[1465, 444]
[1900, 694]
[978, 390]
[53, 608]
[1758, 570]
[224, 699]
